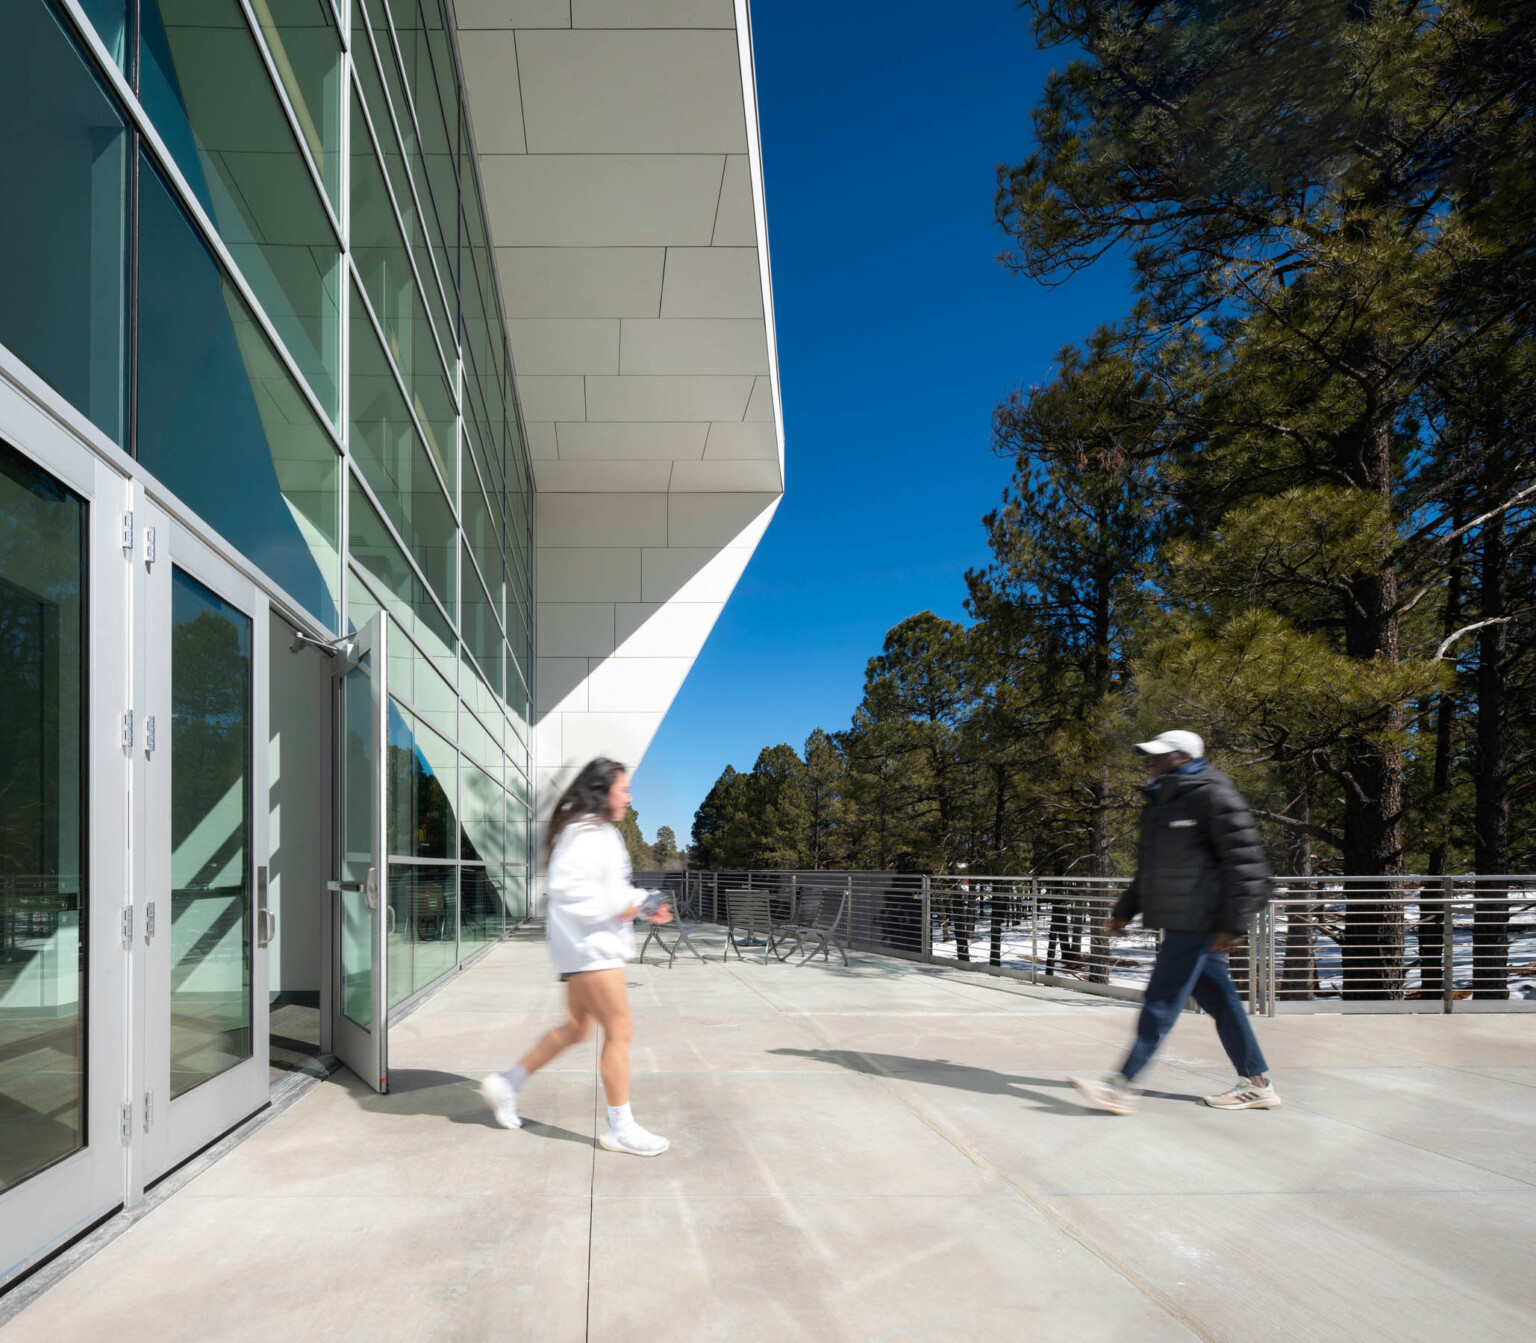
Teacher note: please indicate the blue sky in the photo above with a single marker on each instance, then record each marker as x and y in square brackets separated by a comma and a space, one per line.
[898, 332]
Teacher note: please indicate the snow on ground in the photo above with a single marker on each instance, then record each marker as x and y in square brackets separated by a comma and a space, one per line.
[1025, 943]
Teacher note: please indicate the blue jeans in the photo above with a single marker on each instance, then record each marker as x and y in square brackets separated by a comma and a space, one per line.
[1187, 967]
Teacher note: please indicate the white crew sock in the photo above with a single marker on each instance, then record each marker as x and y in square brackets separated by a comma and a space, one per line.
[516, 1075]
[619, 1116]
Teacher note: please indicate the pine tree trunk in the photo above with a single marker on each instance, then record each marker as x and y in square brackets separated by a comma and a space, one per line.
[1490, 918]
[1374, 923]
[1436, 920]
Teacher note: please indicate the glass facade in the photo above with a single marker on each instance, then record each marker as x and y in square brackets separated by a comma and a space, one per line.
[282, 303]
[43, 965]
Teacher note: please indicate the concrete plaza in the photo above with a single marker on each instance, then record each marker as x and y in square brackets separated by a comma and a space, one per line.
[884, 1152]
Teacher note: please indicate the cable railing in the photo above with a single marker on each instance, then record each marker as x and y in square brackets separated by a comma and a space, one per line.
[1323, 943]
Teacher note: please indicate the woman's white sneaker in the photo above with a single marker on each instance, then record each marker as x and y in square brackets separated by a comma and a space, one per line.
[1246, 1095]
[633, 1139]
[503, 1100]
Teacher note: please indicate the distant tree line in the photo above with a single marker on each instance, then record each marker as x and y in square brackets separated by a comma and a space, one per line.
[1288, 501]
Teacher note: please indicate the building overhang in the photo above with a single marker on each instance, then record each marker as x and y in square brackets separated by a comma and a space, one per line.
[617, 144]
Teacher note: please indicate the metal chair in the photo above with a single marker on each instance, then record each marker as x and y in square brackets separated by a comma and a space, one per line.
[823, 929]
[792, 934]
[680, 941]
[748, 912]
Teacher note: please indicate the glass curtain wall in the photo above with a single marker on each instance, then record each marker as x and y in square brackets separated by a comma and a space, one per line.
[318, 370]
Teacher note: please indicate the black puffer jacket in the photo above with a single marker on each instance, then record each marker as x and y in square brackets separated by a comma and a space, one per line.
[1199, 865]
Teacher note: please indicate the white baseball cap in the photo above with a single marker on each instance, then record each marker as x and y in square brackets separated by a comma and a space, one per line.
[1187, 742]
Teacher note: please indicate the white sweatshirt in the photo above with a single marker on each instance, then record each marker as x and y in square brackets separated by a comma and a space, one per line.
[587, 890]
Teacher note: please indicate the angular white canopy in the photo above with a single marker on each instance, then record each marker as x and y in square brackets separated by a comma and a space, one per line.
[618, 147]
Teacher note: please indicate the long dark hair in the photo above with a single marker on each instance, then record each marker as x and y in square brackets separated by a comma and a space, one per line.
[586, 798]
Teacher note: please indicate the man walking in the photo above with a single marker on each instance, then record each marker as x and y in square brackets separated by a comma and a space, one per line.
[1200, 877]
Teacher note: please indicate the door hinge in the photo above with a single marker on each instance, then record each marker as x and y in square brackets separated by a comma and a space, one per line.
[149, 923]
[128, 530]
[128, 730]
[127, 925]
[127, 1129]
[149, 734]
[149, 545]
[149, 1109]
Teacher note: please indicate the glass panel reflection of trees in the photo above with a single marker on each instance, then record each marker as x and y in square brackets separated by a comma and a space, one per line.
[42, 799]
[210, 834]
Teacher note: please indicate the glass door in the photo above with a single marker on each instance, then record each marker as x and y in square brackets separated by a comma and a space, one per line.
[65, 585]
[204, 1018]
[360, 1002]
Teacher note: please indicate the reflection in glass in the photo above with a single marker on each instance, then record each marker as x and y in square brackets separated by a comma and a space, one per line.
[42, 820]
[482, 634]
[63, 163]
[383, 262]
[110, 20]
[387, 144]
[301, 38]
[481, 911]
[375, 550]
[423, 787]
[357, 855]
[394, 462]
[210, 834]
[423, 939]
[220, 421]
[204, 84]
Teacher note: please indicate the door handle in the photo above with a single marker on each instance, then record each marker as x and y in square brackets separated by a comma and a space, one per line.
[389, 920]
[268, 927]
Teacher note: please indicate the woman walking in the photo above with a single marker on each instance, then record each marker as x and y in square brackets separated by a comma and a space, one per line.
[591, 913]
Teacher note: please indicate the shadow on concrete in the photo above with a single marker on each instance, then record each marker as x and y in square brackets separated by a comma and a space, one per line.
[452, 1096]
[963, 1077]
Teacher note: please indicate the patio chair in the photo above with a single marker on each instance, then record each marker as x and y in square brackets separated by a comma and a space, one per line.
[748, 912]
[792, 933]
[680, 940]
[824, 929]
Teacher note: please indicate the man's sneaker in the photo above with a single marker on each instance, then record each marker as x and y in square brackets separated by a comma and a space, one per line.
[1246, 1095]
[503, 1100]
[633, 1139]
[1108, 1093]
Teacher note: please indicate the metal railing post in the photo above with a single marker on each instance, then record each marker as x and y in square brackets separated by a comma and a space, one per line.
[1034, 930]
[927, 939]
[1272, 942]
[1448, 945]
[848, 914]
[794, 895]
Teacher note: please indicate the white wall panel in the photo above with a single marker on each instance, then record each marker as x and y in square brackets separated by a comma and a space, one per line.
[576, 629]
[695, 345]
[634, 91]
[678, 397]
[511, 14]
[490, 84]
[562, 685]
[712, 282]
[676, 629]
[691, 575]
[601, 200]
[599, 477]
[636, 685]
[600, 574]
[582, 281]
[736, 217]
[653, 13]
[564, 345]
[739, 442]
[601, 520]
[618, 441]
[552, 398]
[714, 477]
[719, 520]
